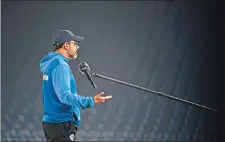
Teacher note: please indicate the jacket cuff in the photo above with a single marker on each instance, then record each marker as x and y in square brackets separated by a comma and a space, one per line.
[92, 102]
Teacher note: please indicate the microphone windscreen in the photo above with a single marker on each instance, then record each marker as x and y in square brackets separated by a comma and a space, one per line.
[83, 67]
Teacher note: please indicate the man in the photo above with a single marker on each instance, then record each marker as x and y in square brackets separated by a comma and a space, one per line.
[61, 101]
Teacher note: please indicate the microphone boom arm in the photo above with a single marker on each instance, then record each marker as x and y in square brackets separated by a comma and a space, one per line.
[155, 92]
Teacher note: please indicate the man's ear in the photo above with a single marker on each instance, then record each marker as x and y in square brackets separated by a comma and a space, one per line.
[65, 46]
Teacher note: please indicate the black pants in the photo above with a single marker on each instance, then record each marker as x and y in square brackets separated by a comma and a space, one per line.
[58, 132]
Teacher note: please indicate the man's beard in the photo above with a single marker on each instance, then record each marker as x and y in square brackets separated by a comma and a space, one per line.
[75, 56]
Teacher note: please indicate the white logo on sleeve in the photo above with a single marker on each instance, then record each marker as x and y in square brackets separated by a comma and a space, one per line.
[45, 77]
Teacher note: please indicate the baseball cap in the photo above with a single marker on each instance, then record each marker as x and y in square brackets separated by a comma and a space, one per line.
[63, 36]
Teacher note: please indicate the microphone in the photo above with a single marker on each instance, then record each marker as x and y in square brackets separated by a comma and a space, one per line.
[85, 69]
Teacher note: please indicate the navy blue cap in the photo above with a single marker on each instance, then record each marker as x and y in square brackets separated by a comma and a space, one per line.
[63, 36]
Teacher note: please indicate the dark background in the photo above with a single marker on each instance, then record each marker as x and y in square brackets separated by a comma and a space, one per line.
[172, 47]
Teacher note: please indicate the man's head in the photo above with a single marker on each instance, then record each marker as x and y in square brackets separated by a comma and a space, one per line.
[67, 43]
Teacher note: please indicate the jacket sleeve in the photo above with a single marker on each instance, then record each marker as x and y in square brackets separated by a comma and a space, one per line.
[61, 83]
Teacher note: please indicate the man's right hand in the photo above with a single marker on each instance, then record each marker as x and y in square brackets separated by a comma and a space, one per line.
[99, 98]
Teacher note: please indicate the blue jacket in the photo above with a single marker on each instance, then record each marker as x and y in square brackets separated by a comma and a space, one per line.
[60, 98]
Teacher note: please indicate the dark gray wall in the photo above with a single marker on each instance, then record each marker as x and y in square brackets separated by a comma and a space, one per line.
[223, 39]
[171, 47]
